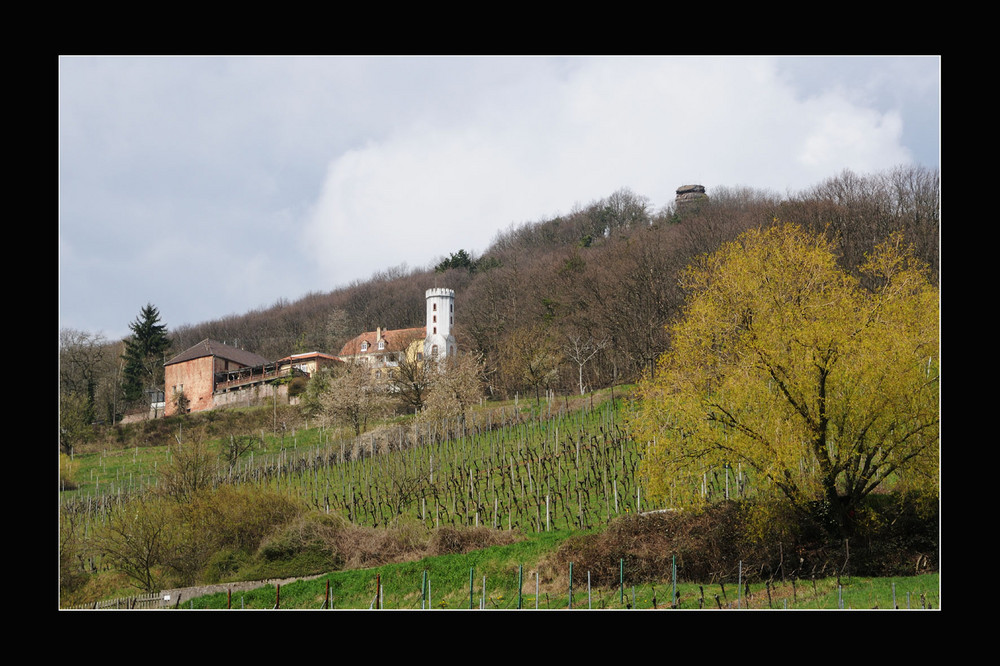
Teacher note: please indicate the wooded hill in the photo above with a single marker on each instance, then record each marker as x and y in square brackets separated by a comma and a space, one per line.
[583, 298]
[566, 304]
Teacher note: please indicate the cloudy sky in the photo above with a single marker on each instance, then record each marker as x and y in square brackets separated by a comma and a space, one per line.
[210, 186]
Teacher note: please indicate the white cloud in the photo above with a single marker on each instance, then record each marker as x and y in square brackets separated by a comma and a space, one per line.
[266, 178]
[531, 151]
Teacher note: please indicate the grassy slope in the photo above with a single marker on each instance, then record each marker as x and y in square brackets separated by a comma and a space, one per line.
[449, 578]
[449, 575]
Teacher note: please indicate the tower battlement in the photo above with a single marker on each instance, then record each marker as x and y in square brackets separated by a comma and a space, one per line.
[440, 291]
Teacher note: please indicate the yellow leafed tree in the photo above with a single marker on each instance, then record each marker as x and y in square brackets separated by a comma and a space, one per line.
[822, 385]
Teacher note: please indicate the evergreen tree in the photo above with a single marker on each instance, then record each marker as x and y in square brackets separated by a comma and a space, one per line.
[143, 355]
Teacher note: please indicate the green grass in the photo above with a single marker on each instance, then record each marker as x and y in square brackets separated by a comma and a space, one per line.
[401, 583]
[449, 582]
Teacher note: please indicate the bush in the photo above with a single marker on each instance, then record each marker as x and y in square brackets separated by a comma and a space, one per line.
[309, 532]
[230, 520]
[897, 535]
[224, 565]
[297, 386]
[458, 540]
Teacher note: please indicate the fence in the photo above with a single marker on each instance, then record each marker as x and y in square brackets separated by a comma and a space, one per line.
[124, 603]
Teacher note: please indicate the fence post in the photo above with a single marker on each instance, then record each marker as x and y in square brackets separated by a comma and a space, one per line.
[739, 585]
[673, 575]
[570, 584]
[621, 581]
[520, 574]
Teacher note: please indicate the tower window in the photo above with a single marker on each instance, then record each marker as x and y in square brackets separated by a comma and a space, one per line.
[435, 330]
[434, 351]
[435, 307]
[435, 319]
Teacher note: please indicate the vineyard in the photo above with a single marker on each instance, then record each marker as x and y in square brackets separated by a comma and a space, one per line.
[519, 470]
[503, 468]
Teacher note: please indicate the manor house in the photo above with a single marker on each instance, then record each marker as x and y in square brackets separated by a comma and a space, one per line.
[212, 374]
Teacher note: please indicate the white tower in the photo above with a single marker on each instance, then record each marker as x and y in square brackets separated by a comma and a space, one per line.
[440, 343]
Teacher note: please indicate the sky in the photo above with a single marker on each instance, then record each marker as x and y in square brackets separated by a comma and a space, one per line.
[211, 186]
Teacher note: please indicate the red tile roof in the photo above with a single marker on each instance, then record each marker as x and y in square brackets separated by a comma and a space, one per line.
[395, 341]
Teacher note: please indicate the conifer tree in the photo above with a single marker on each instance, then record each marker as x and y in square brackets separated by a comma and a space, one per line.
[143, 355]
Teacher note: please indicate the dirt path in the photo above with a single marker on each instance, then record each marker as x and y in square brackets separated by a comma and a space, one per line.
[183, 595]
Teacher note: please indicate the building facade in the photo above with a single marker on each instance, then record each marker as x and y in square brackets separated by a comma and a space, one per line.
[197, 373]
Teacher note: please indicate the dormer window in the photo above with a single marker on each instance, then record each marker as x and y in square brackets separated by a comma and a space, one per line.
[381, 344]
[364, 346]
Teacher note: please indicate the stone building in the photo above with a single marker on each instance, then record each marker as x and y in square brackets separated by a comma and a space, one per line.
[197, 373]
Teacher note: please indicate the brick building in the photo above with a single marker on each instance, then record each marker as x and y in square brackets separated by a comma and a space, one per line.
[200, 371]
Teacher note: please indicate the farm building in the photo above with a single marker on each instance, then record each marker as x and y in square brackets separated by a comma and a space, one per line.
[211, 368]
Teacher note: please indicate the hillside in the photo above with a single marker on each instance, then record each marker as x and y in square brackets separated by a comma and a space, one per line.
[600, 280]
[560, 316]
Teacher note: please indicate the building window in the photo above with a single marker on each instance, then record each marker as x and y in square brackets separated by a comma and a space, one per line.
[434, 350]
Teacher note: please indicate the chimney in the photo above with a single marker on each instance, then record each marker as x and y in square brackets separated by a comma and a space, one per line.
[378, 334]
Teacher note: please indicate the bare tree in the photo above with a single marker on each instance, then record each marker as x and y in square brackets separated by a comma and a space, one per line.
[354, 397]
[580, 349]
[136, 540]
[530, 359]
[88, 389]
[192, 467]
[411, 380]
[457, 386]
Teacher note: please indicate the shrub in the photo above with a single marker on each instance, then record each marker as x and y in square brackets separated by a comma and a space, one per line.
[457, 540]
[760, 540]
